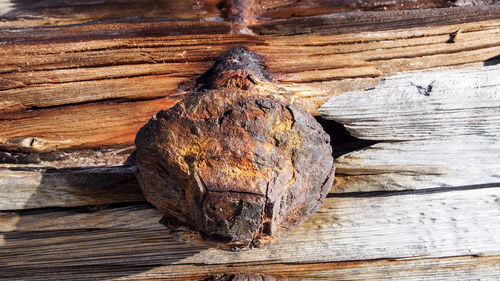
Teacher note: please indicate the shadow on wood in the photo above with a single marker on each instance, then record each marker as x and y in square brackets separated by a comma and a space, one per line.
[117, 245]
[492, 61]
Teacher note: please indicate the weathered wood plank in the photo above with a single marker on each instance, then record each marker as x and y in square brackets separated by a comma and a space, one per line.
[45, 188]
[109, 157]
[451, 268]
[131, 241]
[485, 268]
[56, 12]
[445, 161]
[422, 105]
[451, 162]
[64, 76]
[364, 21]
[450, 118]
[289, 9]
[107, 123]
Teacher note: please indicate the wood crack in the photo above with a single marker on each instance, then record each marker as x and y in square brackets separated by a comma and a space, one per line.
[423, 191]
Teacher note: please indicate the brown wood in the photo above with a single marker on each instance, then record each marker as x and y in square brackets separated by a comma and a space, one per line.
[105, 71]
[287, 9]
[57, 12]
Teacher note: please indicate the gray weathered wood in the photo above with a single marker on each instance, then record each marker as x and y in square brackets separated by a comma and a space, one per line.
[438, 129]
[413, 225]
[38, 188]
[422, 105]
[449, 162]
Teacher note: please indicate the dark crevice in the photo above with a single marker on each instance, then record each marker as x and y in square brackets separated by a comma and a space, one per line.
[207, 59]
[492, 61]
[80, 209]
[342, 142]
[233, 192]
[108, 100]
[174, 75]
[423, 191]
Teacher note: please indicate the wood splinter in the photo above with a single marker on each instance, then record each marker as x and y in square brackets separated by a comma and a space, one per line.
[234, 164]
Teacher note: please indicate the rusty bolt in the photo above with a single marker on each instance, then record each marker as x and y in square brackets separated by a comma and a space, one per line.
[231, 163]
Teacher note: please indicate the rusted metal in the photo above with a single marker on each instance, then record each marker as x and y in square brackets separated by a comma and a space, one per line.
[232, 163]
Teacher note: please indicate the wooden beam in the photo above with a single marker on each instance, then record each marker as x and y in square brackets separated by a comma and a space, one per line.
[43, 188]
[440, 129]
[426, 164]
[126, 77]
[362, 233]
[54, 12]
[422, 105]
[344, 22]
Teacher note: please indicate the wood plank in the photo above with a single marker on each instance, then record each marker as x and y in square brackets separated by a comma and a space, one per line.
[67, 188]
[486, 268]
[53, 12]
[101, 178]
[56, 12]
[422, 105]
[425, 164]
[456, 161]
[109, 123]
[463, 268]
[64, 76]
[269, 9]
[376, 21]
[109, 157]
[364, 229]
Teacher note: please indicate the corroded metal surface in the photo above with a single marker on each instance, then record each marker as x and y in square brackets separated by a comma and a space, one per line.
[231, 163]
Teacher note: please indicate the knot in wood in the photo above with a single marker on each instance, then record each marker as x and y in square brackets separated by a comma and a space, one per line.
[233, 166]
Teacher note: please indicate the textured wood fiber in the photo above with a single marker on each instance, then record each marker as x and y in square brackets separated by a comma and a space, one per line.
[123, 72]
[56, 12]
[67, 188]
[437, 129]
[422, 105]
[55, 82]
[131, 244]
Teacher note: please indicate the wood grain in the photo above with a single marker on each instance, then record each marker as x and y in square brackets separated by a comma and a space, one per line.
[422, 105]
[459, 114]
[57, 12]
[77, 81]
[67, 188]
[269, 9]
[132, 245]
[484, 267]
[464, 267]
[439, 129]
[106, 123]
[125, 74]
[364, 21]
[425, 164]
